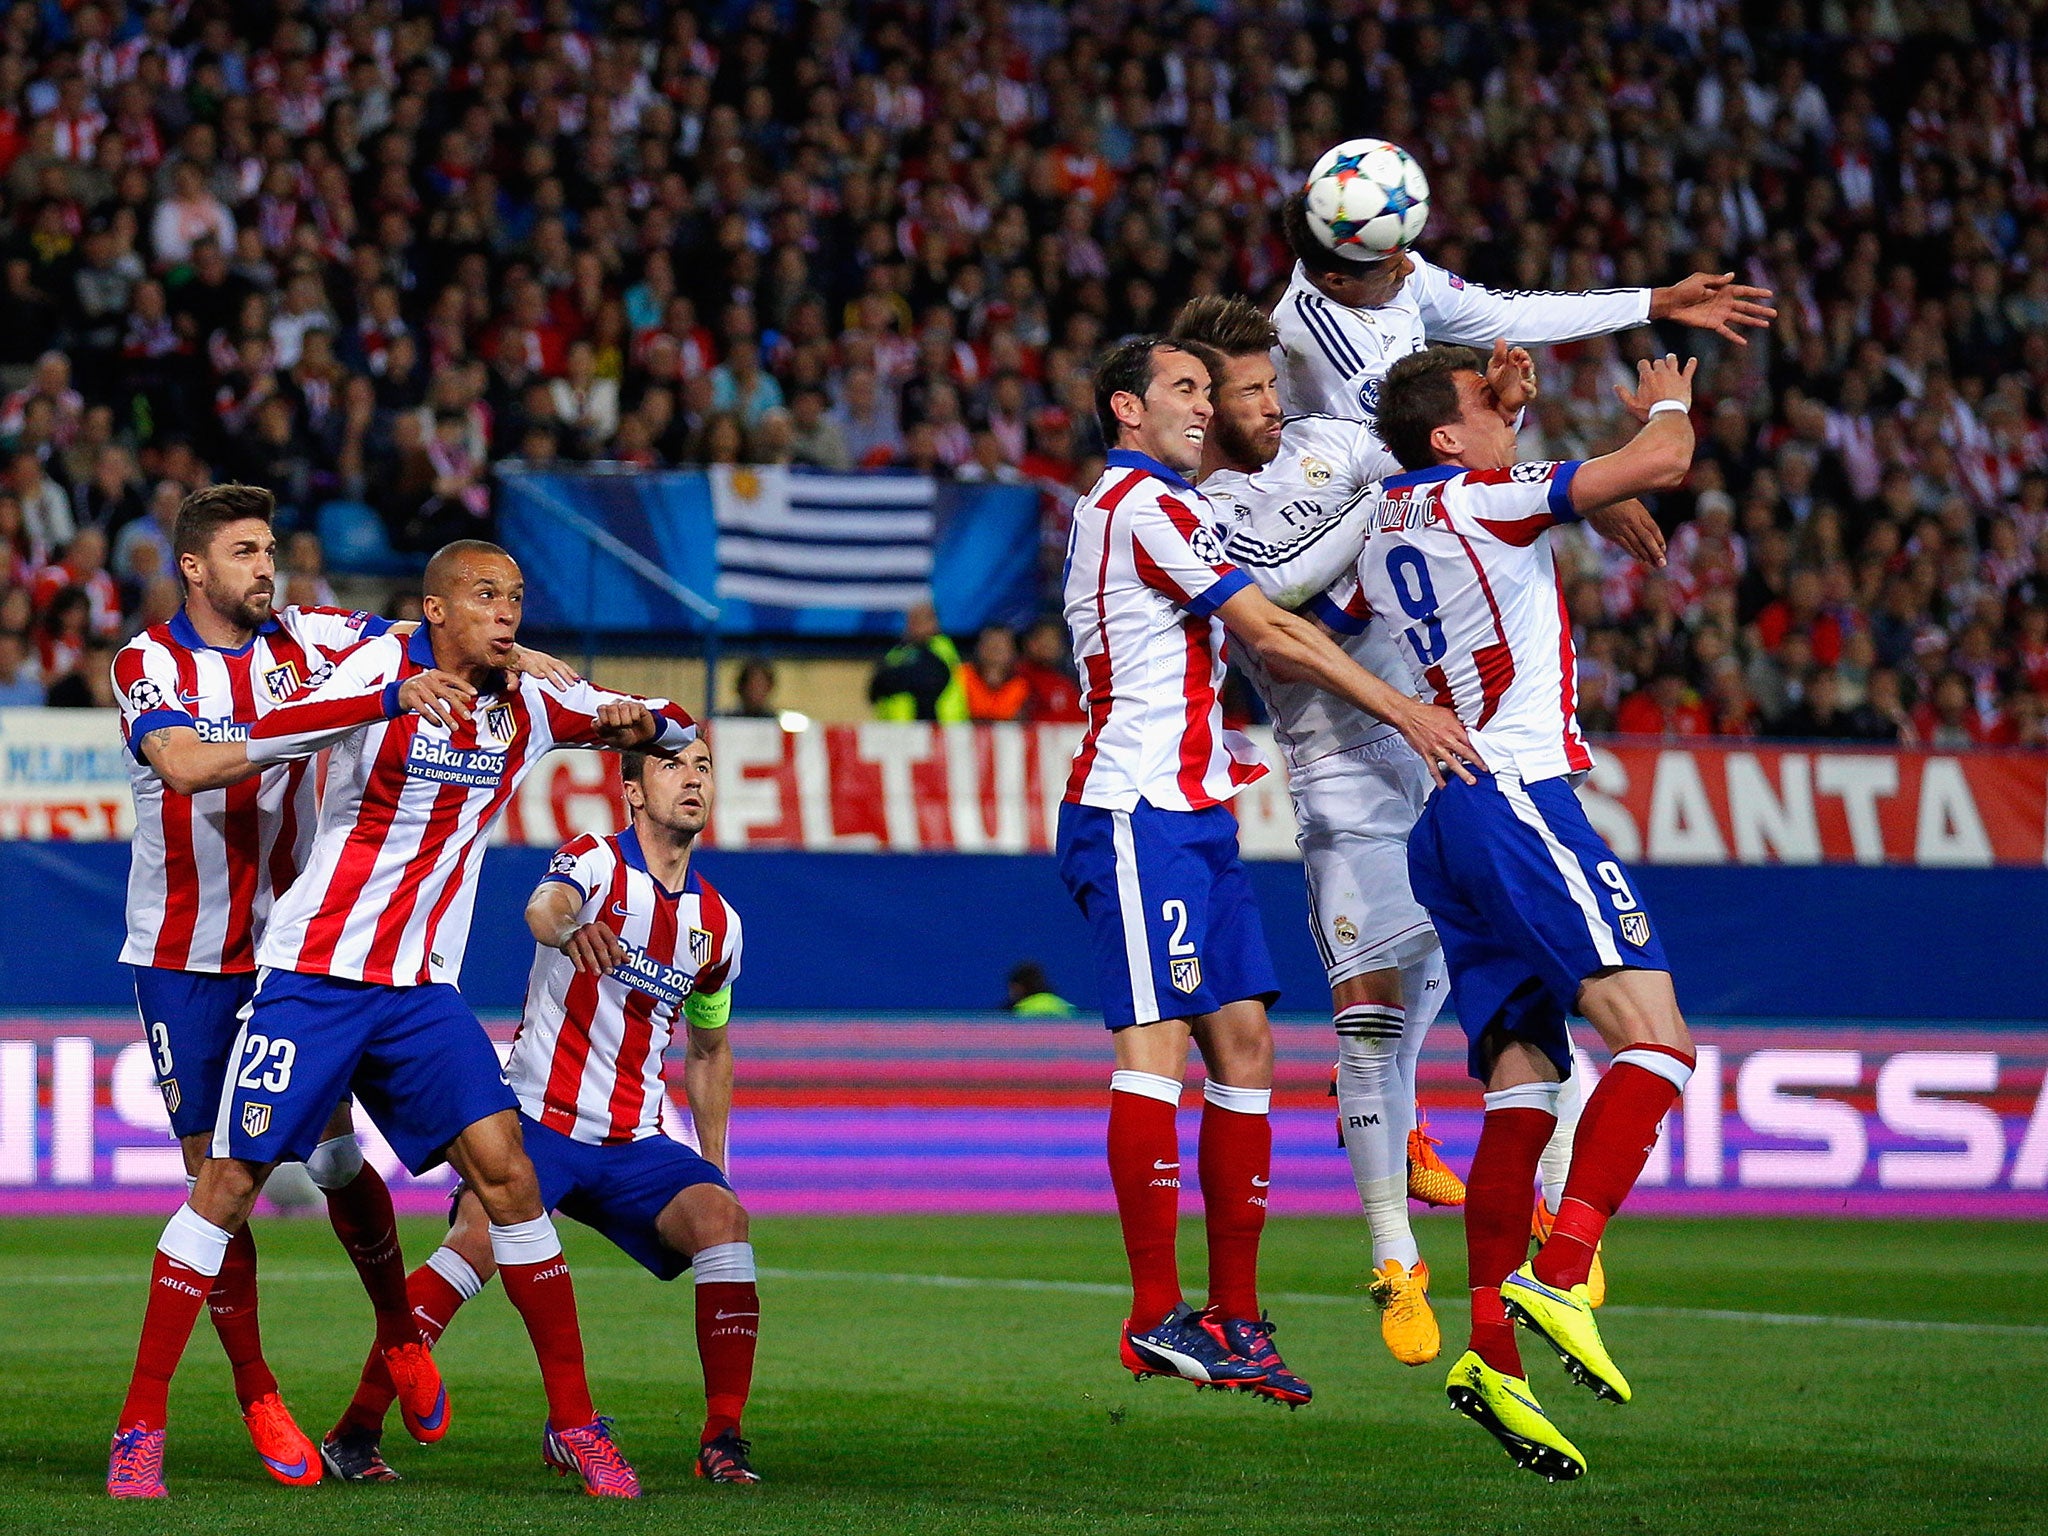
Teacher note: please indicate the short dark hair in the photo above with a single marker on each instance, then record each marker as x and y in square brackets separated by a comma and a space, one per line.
[1126, 368]
[632, 766]
[1418, 395]
[1232, 326]
[1310, 251]
[204, 513]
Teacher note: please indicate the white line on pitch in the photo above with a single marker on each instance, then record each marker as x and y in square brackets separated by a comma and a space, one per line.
[1320, 1298]
[293, 1275]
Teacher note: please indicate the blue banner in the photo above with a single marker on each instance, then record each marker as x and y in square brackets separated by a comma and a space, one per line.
[870, 932]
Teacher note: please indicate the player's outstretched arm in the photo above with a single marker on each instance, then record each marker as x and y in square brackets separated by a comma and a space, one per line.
[551, 917]
[1659, 457]
[1711, 301]
[580, 714]
[1294, 649]
[1629, 524]
[707, 1083]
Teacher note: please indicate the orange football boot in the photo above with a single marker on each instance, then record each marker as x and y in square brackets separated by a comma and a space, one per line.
[1430, 1178]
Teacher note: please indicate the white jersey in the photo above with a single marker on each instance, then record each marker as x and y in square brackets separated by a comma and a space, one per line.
[1145, 575]
[1331, 357]
[587, 1058]
[388, 888]
[1457, 565]
[1291, 528]
[204, 869]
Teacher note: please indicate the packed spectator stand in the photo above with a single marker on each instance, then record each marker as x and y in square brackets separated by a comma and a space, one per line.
[360, 252]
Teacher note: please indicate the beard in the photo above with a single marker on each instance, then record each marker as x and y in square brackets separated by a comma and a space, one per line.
[249, 609]
[1239, 445]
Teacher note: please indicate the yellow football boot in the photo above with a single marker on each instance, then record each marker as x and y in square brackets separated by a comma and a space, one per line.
[1596, 1279]
[1564, 1321]
[1406, 1321]
[1505, 1408]
[1430, 1178]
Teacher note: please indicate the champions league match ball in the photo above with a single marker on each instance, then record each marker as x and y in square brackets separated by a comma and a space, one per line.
[1367, 199]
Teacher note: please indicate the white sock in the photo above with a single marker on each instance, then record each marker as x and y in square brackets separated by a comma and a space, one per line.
[194, 1241]
[728, 1263]
[1425, 988]
[1147, 1085]
[526, 1242]
[1555, 1166]
[1376, 1114]
[457, 1271]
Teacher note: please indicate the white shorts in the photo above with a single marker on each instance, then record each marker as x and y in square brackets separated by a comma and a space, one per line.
[1353, 813]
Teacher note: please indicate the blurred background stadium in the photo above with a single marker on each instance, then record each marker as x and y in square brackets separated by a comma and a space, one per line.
[759, 334]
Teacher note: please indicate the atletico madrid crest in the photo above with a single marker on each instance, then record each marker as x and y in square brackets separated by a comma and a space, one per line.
[1635, 928]
[700, 948]
[255, 1119]
[1187, 974]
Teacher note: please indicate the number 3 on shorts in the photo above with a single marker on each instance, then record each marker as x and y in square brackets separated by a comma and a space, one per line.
[266, 1064]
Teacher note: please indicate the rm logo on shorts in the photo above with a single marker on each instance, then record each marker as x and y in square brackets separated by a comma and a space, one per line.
[1635, 928]
[255, 1119]
[1186, 974]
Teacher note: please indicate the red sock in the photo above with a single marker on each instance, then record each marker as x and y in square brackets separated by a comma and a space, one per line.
[546, 1299]
[728, 1327]
[176, 1293]
[1617, 1128]
[1236, 1162]
[368, 1228]
[233, 1305]
[434, 1304]
[1500, 1197]
[1144, 1165]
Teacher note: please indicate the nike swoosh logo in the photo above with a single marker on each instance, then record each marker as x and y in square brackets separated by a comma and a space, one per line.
[728, 1316]
[1511, 1392]
[286, 1469]
[619, 909]
[433, 1420]
[1532, 1283]
[1163, 1167]
[1259, 1183]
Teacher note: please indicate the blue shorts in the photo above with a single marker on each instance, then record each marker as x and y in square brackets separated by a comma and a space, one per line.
[189, 1019]
[415, 1056]
[1170, 911]
[618, 1190]
[1529, 901]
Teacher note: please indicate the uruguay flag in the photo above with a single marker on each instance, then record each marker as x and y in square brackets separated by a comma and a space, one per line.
[835, 553]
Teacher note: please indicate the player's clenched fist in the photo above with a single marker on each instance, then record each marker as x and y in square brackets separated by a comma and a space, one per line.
[436, 696]
[625, 723]
[593, 949]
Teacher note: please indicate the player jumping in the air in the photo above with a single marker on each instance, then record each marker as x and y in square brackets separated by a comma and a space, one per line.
[1286, 488]
[1148, 849]
[209, 859]
[358, 962]
[1343, 323]
[632, 941]
[1538, 919]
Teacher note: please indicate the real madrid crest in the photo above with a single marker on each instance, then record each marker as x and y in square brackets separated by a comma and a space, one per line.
[1315, 472]
[1345, 930]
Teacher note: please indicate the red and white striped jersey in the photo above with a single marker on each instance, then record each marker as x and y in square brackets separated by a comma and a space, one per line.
[587, 1059]
[1456, 564]
[204, 869]
[388, 888]
[1145, 575]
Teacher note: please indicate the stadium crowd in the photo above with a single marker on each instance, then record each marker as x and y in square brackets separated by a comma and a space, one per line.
[359, 250]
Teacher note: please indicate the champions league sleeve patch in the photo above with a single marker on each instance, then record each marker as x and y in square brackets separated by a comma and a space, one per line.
[145, 696]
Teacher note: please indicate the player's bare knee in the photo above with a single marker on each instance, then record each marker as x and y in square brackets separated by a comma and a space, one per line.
[701, 1217]
[340, 1123]
[193, 1148]
[226, 1191]
[470, 1235]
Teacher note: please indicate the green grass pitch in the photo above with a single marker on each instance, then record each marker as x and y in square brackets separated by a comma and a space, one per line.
[889, 1401]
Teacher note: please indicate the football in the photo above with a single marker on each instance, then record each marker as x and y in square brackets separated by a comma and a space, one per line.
[1367, 199]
